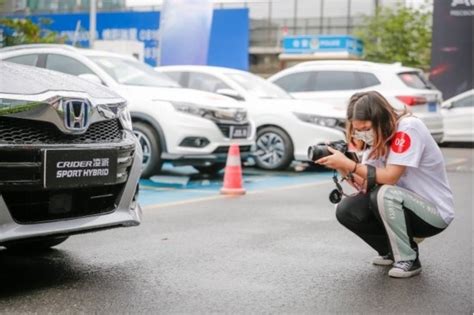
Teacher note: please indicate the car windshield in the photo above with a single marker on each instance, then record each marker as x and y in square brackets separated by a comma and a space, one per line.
[257, 86]
[130, 72]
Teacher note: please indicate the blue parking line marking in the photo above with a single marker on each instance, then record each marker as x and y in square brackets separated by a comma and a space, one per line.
[162, 189]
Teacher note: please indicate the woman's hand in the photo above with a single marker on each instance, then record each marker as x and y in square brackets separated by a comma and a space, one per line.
[337, 160]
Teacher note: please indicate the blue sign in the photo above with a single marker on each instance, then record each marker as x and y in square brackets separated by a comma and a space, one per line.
[313, 44]
[228, 43]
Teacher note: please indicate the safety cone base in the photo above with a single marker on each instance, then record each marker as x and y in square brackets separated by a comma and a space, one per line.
[233, 191]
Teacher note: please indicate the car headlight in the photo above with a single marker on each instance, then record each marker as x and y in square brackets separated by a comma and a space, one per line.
[317, 120]
[126, 119]
[192, 109]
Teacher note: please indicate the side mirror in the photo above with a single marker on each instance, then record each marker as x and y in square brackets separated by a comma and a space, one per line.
[91, 77]
[230, 93]
[447, 106]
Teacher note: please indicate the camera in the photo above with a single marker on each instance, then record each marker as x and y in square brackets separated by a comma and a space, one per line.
[315, 152]
[320, 150]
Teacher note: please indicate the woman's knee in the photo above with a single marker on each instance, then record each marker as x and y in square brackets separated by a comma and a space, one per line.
[347, 207]
[378, 193]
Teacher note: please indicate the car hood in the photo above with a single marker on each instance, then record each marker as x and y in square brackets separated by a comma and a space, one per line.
[26, 80]
[181, 95]
[303, 106]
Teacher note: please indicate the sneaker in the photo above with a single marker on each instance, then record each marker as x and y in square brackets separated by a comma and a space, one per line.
[385, 260]
[405, 269]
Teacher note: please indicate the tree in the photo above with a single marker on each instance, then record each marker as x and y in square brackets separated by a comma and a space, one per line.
[402, 34]
[24, 31]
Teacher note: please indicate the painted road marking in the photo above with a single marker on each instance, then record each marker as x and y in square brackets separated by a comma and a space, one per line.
[216, 197]
[155, 192]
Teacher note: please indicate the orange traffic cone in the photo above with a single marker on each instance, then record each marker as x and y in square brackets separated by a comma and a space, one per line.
[233, 173]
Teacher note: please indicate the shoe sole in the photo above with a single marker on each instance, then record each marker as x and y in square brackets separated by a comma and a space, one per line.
[403, 274]
[382, 262]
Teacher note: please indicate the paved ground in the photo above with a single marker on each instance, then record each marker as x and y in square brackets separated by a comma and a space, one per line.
[278, 249]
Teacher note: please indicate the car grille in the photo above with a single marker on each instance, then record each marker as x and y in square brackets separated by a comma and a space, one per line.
[28, 207]
[225, 149]
[24, 167]
[225, 128]
[22, 131]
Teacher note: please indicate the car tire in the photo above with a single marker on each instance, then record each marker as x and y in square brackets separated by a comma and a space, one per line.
[274, 149]
[149, 141]
[211, 170]
[35, 245]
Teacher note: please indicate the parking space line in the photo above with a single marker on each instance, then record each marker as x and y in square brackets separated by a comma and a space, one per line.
[254, 192]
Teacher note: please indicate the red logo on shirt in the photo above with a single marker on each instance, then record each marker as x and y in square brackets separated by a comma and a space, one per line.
[401, 142]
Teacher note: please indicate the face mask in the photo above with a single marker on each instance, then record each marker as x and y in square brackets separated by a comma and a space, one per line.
[366, 136]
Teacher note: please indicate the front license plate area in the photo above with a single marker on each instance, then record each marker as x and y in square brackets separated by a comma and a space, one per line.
[76, 168]
[237, 132]
[432, 107]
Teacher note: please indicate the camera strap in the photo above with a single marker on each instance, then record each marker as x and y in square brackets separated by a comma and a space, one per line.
[338, 182]
[371, 180]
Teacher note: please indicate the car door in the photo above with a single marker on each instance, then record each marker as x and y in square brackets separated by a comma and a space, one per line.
[458, 119]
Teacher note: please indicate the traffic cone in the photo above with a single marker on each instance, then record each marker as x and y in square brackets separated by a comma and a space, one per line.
[233, 173]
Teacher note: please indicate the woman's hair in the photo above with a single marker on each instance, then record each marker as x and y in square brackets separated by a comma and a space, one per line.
[374, 107]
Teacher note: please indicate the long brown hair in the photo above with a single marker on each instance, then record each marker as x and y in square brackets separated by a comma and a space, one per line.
[374, 107]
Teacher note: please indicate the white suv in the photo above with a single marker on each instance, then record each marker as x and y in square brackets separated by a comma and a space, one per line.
[335, 81]
[173, 124]
[286, 127]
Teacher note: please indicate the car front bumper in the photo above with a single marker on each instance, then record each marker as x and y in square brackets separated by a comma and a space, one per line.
[122, 209]
[217, 135]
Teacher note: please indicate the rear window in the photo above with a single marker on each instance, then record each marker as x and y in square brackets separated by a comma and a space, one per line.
[415, 80]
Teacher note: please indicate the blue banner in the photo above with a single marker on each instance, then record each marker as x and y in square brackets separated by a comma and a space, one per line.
[228, 43]
[185, 28]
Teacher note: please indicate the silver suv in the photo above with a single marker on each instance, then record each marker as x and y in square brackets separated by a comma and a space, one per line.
[69, 162]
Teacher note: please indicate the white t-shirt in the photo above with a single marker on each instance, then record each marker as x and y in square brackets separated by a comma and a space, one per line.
[425, 175]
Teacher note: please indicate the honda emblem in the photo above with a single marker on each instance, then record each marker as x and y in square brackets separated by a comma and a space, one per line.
[76, 114]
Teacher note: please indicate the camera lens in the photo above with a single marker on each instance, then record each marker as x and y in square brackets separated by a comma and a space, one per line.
[315, 152]
[335, 196]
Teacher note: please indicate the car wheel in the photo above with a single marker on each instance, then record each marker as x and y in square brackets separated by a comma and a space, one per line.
[213, 169]
[150, 144]
[274, 149]
[35, 245]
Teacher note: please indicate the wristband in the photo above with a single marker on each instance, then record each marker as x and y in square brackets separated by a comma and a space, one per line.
[355, 167]
[371, 180]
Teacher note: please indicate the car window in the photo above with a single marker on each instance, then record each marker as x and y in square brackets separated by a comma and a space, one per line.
[175, 76]
[66, 64]
[205, 82]
[336, 81]
[415, 80]
[131, 72]
[467, 101]
[256, 86]
[296, 82]
[367, 79]
[27, 60]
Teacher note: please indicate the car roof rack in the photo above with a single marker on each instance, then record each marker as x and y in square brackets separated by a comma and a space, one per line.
[34, 46]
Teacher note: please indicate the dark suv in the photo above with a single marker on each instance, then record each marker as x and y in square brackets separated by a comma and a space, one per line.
[69, 162]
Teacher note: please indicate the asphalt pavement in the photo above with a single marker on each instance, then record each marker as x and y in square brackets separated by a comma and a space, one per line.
[278, 249]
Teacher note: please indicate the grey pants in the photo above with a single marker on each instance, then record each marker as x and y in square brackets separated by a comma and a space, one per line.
[388, 218]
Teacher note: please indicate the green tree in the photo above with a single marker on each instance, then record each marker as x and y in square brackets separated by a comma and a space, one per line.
[24, 31]
[400, 34]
